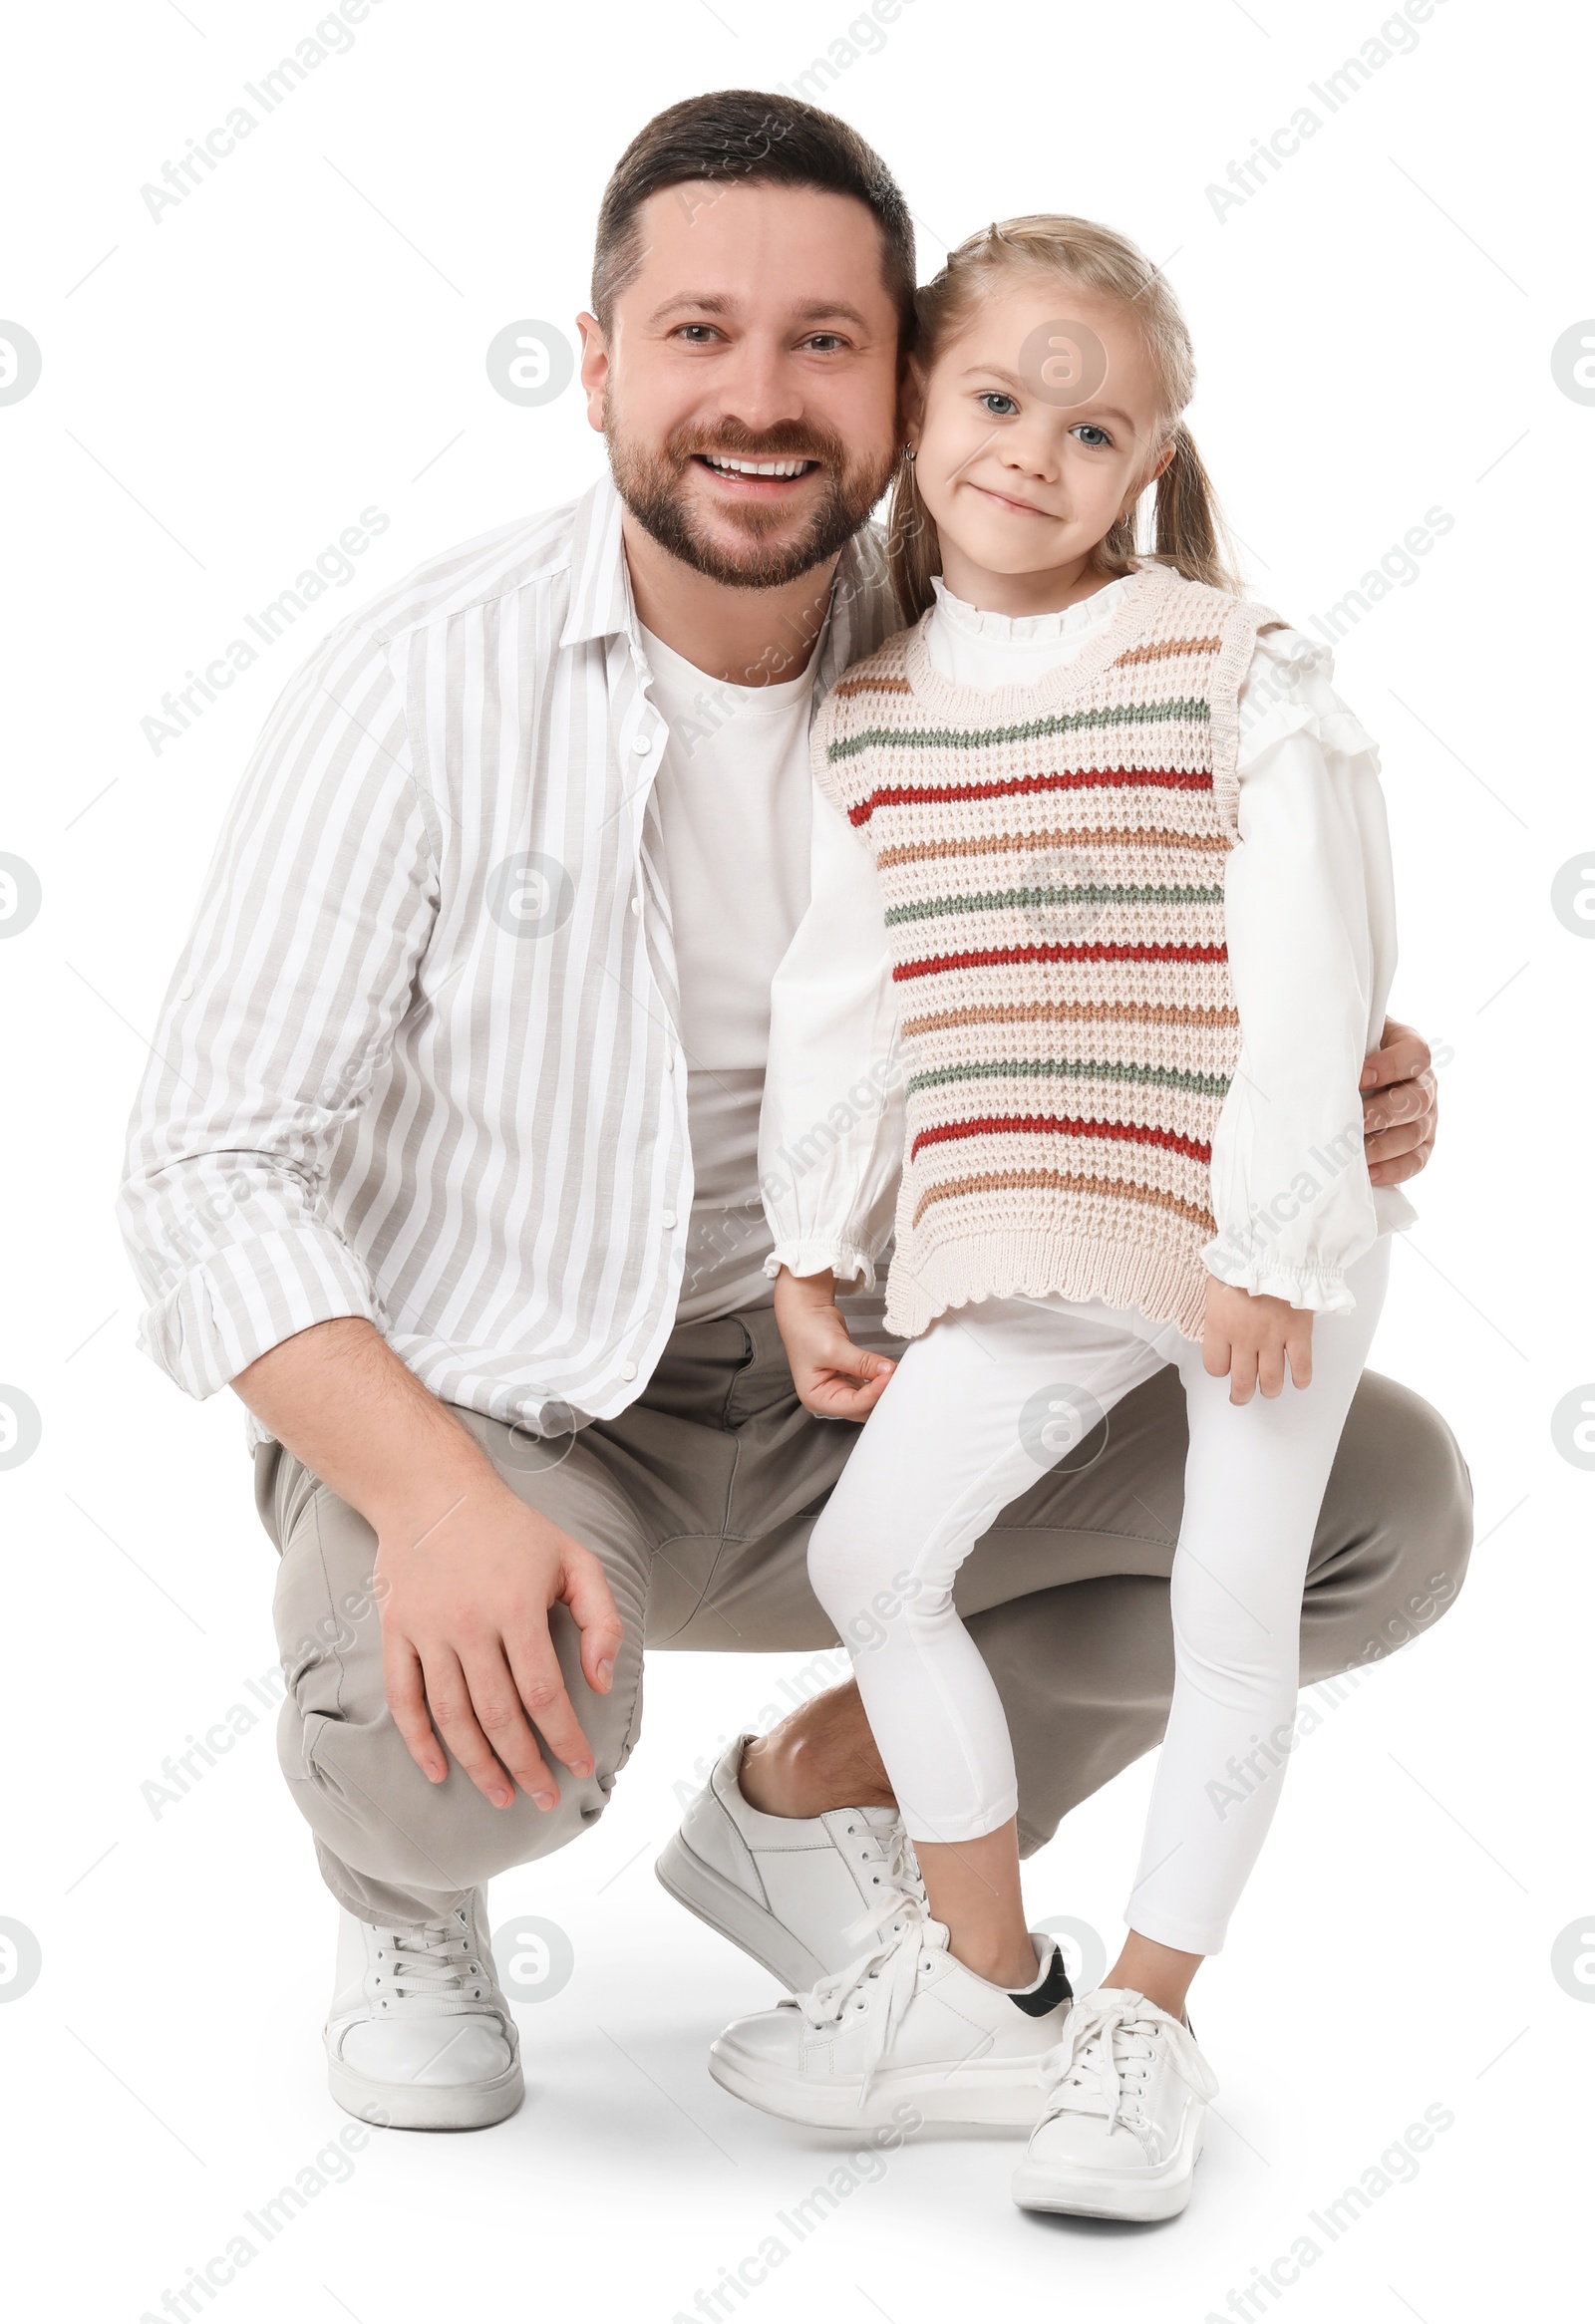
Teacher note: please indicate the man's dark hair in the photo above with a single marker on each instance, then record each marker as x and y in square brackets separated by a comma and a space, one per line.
[747, 137]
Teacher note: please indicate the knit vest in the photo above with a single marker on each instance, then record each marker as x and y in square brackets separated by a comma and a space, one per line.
[1052, 866]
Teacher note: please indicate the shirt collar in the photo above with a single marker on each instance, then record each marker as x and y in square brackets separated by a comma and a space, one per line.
[600, 587]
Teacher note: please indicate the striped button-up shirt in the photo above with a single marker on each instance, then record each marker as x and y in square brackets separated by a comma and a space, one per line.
[418, 1061]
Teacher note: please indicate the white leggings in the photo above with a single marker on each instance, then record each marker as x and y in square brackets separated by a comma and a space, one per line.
[987, 1401]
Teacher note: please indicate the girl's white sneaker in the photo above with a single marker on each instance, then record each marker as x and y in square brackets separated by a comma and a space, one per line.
[1122, 2122]
[906, 2023]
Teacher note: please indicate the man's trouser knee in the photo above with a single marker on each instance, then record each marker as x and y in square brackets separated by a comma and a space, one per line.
[394, 1847]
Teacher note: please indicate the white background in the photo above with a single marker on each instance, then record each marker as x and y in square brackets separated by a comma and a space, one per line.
[222, 392]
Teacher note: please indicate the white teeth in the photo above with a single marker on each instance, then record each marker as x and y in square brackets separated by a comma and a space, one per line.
[757, 468]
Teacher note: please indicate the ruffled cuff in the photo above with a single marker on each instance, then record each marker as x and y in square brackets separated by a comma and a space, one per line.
[815, 1256]
[1321, 1289]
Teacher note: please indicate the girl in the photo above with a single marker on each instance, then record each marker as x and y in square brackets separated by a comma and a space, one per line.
[1100, 863]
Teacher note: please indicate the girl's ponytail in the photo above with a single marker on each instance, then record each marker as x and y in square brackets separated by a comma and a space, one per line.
[1190, 533]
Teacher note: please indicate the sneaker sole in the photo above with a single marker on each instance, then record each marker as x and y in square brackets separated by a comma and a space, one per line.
[985, 2094]
[1160, 2195]
[722, 1905]
[417, 2106]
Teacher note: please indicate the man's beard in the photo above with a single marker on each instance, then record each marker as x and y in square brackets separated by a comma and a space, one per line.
[652, 484]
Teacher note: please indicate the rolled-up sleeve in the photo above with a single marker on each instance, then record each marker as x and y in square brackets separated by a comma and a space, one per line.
[830, 1128]
[316, 910]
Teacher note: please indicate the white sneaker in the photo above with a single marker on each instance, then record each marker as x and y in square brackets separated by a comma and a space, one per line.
[800, 1894]
[905, 2022]
[1123, 2123]
[420, 2037]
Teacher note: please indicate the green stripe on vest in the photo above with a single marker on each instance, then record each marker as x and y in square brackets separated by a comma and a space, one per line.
[1010, 899]
[1081, 1069]
[1153, 714]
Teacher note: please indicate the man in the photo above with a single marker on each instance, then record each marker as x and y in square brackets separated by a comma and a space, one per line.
[446, 1162]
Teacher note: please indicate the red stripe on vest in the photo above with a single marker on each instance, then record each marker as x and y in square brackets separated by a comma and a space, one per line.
[1133, 1134]
[1090, 778]
[941, 963]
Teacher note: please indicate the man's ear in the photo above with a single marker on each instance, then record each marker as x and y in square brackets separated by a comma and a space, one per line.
[594, 369]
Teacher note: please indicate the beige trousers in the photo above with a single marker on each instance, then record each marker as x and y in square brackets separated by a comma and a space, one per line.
[699, 1500]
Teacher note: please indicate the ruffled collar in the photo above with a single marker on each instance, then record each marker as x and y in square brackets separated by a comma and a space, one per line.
[1030, 628]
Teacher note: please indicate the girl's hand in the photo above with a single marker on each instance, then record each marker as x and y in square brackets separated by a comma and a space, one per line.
[1249, 1336]
[833, 1379]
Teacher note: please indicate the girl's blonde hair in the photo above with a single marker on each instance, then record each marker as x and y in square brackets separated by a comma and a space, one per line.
[1188, 531]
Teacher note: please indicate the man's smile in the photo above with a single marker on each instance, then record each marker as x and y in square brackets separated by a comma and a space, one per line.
[750, 480]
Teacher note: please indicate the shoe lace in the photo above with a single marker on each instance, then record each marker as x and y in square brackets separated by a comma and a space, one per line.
[1105, 2059]
[900, 1879]
[436, 1965]
[897, 1959]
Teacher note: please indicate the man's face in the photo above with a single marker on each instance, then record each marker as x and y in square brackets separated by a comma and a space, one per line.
[758, 329]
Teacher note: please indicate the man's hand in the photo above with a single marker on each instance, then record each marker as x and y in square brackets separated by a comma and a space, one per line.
[833, 1379]
[1250, 1335]
[465, 1597]
[1401, 1105]
[465, 1574]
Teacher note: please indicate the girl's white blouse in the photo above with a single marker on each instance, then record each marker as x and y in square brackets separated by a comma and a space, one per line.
[1309, 906]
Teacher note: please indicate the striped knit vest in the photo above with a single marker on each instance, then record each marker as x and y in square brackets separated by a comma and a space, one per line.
[1051, 865]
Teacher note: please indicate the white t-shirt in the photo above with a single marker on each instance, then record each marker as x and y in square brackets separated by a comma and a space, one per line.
[734, 806]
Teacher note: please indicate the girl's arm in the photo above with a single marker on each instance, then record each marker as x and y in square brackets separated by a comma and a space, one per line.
[831, 1132]
[1311, 933]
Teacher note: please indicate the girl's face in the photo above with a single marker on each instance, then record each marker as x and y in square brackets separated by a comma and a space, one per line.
[1037, 428]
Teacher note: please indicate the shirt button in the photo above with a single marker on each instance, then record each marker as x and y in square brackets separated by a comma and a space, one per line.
[628, 1372]
[185, 989]
[642, 744]
[636, 907]
[667, 1219]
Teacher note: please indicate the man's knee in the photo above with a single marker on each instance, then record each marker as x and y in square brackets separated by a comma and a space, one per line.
[1412, 1463]
[1400, 1505]
[373, 1810]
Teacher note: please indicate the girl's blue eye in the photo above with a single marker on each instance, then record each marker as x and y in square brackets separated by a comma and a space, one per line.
[1094, 437]
[991, 396]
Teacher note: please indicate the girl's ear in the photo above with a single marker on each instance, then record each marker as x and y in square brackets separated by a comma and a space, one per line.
[1162, 460]
[1151, 475]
